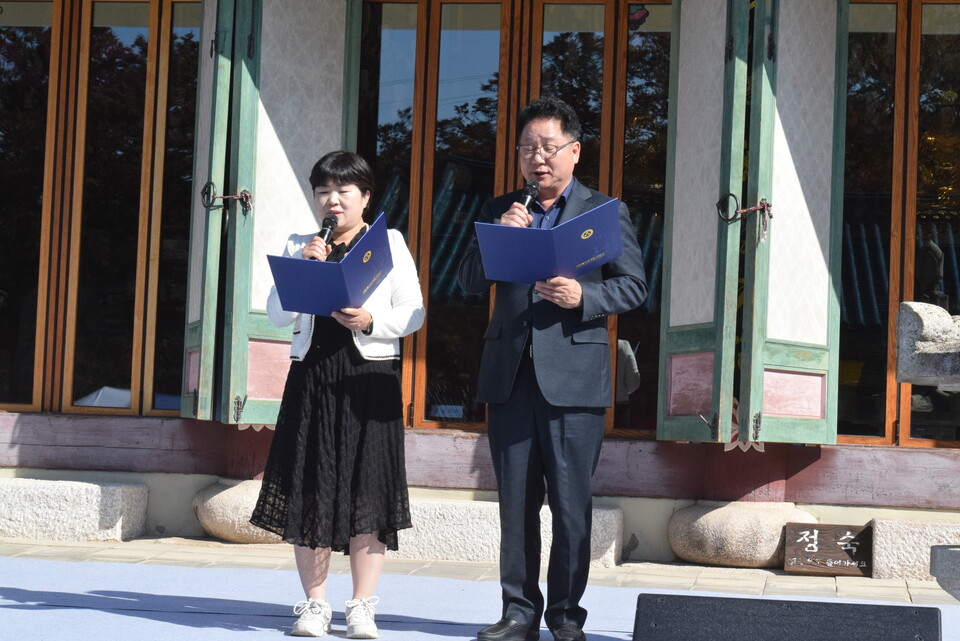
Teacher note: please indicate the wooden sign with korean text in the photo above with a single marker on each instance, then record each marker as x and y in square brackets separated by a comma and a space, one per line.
[830, 550]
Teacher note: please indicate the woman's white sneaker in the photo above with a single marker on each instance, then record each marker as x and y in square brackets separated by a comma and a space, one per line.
[360, 623]
[314, 620]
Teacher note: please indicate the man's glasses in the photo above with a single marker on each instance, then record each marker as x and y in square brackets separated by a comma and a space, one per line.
[547, 152]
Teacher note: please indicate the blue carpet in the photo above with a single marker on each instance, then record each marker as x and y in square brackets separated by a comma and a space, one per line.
[74, 601]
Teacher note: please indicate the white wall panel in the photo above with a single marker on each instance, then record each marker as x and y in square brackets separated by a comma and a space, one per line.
[699, 129]
[301, 104]
[798, 303]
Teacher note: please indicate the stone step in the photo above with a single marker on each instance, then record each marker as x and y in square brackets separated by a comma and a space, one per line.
[71, 510]
[450, 530]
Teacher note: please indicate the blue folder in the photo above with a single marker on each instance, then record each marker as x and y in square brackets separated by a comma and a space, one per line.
[571, 249]
[321, 288]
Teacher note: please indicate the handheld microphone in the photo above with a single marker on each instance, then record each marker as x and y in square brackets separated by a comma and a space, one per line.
[326, 228]
[530, 191]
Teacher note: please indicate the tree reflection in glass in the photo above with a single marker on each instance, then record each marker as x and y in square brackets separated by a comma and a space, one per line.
[463, 180]
[572, 70]
[385, 111]
[25, 61]
[644, 177]
[111, 204]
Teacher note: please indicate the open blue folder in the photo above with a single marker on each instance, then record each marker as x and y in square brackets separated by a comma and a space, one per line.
[320, 288]
[572, 248]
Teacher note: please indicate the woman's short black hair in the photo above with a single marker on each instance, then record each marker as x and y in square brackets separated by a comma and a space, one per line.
[342, 168]
[550, 108]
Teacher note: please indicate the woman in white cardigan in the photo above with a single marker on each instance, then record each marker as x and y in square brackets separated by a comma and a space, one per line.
[335, 476]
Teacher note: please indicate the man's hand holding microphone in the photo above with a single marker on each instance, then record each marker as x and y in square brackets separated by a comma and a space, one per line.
[563, 292]
[518, 215]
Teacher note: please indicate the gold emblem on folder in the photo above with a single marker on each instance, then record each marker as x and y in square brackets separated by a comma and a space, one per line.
[587, 233]
[367, 256]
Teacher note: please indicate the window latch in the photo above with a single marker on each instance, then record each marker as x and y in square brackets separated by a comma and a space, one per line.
[208, 196]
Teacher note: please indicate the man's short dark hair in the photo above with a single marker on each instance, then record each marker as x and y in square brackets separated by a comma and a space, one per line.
[550, 108]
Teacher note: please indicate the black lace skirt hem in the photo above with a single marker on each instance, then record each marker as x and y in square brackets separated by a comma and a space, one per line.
[386, 535]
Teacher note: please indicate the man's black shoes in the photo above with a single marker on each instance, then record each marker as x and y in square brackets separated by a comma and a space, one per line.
[568, 632]
[509, 630]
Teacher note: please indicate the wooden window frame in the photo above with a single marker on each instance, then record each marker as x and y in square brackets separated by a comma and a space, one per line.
[426, 91]
[896, 240]
[61, 224]
[897, 422]
[909, 214]
[48, 253]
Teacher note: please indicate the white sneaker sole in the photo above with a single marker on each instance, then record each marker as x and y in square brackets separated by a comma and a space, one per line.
[365, 632]
[309, 632]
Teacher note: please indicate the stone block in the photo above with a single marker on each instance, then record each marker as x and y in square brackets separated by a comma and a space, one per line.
[470, 531]
[72, 510]
[739, 534]
[902, 549]
[446, 530]
[928, 345]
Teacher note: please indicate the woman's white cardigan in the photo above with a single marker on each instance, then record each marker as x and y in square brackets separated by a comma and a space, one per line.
[396, 306]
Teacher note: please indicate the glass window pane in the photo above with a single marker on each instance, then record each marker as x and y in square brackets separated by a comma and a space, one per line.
[463, 180]
[934, 413]
[572, 70]
[25, 61]
[644, 177]
[106, 290]
[868, 176]
[385, 120]
[177, 192]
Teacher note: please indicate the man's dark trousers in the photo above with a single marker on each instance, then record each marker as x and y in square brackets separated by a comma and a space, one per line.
[538, 447]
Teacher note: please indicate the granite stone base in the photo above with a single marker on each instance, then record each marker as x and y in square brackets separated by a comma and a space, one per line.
[902, 549]
[72, 510]
[470, 531]
[224, 509]
[737, 534]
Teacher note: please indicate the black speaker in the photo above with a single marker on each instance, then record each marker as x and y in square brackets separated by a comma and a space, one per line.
[678, 617]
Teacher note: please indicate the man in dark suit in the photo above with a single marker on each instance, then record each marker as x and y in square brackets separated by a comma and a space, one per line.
[545, 375]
